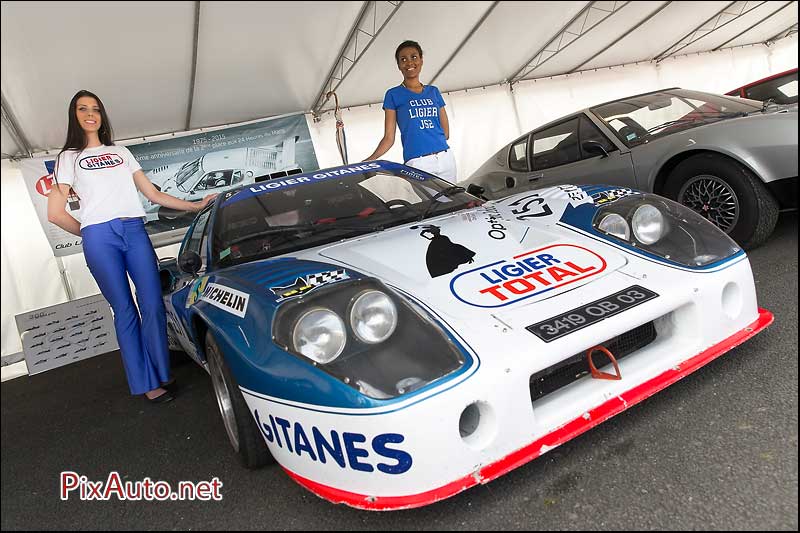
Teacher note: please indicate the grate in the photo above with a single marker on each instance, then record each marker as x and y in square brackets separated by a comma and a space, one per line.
[565, 372]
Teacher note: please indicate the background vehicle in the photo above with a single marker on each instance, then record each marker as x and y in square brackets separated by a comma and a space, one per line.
[734, 161]
[779, 88]
[391, 340]
[217, 171]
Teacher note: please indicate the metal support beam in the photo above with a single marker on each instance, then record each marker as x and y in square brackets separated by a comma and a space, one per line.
[784, 6]
[467, 38]
[345, 62]
[555, 45]
[791, 30]
[618, 39]
[13, 128]
[194, 63]
[693, 36]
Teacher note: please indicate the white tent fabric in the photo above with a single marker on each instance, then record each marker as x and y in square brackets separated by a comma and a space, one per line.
[271, 64]
[260, 59]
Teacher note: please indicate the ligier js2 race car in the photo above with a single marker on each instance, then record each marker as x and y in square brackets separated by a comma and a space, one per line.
[391, 340]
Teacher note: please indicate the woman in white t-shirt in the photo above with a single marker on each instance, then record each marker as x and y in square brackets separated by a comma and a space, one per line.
[115, 242]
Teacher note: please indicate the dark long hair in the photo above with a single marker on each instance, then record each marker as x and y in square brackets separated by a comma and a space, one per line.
[76, 138]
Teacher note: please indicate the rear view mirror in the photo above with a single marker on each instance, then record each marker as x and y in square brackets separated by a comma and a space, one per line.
[190, 262]
[659, 104]
[594, 148]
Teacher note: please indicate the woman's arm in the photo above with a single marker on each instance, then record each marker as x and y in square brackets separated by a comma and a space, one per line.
[389, 126]
[57, 210]
[161, 198]
[445, 123]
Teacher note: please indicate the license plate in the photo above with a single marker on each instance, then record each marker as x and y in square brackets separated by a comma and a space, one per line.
[586, 315]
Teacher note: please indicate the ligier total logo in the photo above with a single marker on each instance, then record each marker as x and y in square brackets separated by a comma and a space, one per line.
[526, 275]
[96, 162]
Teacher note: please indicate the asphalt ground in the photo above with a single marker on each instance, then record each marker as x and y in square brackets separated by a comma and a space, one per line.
[715, 451]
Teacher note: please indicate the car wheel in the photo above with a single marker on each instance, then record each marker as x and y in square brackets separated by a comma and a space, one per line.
[240, 426]
[727, 194]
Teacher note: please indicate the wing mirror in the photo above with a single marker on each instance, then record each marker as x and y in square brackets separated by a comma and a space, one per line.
[190, 262]
[594, 147]
[475, 190]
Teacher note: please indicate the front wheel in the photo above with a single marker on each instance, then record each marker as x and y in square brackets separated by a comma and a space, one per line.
[727, 194]
[240, 426]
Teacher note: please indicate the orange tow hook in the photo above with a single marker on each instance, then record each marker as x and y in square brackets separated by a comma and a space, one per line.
[596, 374]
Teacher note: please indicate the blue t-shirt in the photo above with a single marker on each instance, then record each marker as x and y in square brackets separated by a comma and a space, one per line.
[421, 131]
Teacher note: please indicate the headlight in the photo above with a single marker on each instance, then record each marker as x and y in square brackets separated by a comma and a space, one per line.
[648, 224]
[373, 317]
[615, 225]
[368, 337]
[664, 228]
[319, 335]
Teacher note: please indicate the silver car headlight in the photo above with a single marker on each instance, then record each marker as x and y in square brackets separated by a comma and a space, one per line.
[373, 317]
[664, 228]
[320, 335]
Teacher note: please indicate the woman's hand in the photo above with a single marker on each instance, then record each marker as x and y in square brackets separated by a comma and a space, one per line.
[207, 200]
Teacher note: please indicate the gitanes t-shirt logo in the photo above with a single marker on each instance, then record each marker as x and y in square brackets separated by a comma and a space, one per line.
[97, 162]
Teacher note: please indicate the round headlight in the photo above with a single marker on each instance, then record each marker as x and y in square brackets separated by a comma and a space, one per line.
[373, 317]
[319, 335]
[615, 225]
[648, 224]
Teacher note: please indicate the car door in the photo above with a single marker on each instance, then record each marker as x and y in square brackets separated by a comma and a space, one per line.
[576, 151]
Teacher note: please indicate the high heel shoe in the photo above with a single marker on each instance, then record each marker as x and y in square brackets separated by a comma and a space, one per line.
[162, 398]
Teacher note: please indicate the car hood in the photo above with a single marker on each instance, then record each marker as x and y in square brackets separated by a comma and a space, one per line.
[477, 261]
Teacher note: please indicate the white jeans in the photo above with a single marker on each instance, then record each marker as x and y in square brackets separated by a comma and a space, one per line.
[442, 164]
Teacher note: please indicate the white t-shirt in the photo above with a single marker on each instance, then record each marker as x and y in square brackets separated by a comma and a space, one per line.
[103, 178]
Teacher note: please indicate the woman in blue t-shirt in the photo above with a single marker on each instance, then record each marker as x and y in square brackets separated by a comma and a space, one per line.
[418, 110]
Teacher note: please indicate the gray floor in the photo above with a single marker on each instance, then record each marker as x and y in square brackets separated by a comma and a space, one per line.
[717, 450]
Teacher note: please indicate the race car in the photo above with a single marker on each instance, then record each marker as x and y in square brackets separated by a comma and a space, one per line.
[392, 340]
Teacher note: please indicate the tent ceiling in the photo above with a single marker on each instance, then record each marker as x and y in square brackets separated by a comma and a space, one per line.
[258, 59]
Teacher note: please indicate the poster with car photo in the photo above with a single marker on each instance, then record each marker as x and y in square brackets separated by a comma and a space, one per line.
[189, 167]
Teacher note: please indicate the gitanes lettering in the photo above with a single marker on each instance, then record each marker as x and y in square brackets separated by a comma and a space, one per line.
[96, 162]
[348, 450]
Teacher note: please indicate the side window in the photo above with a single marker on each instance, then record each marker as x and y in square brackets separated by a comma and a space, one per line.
[590, 132]
[556, 146]
[518, 155]
[198, 231]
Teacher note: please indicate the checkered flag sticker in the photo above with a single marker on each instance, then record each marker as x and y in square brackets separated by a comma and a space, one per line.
[326, 277]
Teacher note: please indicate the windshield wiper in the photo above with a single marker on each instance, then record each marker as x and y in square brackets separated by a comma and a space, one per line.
[432, 203]
[313, 228]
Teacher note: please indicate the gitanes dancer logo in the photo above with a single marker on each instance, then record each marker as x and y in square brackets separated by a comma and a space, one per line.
[97, 162]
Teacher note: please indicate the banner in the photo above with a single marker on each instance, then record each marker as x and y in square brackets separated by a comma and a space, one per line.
[188, 167]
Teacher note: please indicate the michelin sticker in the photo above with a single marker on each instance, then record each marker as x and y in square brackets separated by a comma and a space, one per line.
[227, 299]
[303, 285]
[529, 274]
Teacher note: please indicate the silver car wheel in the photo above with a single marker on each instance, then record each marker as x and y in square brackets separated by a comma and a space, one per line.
[223, 394]
[713, 198]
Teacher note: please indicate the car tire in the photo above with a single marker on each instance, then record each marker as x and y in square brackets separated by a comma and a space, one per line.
[240, 426]
[748, 212]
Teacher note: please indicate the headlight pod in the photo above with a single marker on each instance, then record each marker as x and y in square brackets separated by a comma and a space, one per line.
[366, 336]
[664, 228]
[320, 335]
[373, 317]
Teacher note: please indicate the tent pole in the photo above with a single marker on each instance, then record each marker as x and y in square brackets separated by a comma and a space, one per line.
[64, 278]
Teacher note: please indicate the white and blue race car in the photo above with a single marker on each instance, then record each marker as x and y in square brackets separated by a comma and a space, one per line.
[391, 340]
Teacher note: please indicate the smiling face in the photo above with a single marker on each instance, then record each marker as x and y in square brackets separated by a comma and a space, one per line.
[409, 61]
[87, 111]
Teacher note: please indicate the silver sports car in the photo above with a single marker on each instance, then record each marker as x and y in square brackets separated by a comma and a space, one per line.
[732, 160]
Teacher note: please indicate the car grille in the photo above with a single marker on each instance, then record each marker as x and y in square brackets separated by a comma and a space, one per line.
[565, 372]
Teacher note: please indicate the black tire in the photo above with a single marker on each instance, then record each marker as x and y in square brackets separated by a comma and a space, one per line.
[750, 211]
[240, 425]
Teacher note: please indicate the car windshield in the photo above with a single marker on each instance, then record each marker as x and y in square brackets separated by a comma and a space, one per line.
[643, 118]
[288, 214]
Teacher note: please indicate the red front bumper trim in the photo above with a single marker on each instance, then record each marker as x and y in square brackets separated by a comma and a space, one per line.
[555, 438]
